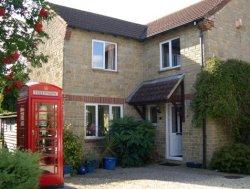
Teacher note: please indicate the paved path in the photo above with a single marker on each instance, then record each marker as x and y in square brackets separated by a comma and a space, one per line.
[156, 177]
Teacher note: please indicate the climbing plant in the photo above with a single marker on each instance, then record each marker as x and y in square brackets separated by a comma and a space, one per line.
[21, 32]
[222, 93]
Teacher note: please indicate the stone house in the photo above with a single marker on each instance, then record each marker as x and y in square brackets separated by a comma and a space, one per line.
[111, 68]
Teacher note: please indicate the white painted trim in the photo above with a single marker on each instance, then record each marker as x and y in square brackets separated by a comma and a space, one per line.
[103, 63]
[85, 122]
[170, 55]
[167, 130]
[104, 70]
[170, 68]
[96, 117]
[168, 117]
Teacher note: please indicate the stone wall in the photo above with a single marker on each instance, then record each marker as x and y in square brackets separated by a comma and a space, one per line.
[82, 82]
[190, 66]
[52, 71]
[226, 41]
[161, 134]
[137, 62]
[217, 136]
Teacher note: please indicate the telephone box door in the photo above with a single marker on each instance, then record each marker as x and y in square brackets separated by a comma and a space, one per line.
[46, 138]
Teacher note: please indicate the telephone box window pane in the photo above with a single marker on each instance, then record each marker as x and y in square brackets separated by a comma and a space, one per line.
[91, 120]
[22, 130]
[116, 112]
[45, 117]
[49, 169]
[103, 119]
[47, 133]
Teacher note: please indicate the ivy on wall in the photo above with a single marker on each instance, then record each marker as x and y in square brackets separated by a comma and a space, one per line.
[223, 94]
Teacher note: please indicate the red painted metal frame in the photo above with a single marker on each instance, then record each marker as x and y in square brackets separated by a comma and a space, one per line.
[27, 99]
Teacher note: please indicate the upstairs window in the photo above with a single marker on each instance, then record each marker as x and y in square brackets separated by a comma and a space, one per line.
[104, 55]
[170, 53]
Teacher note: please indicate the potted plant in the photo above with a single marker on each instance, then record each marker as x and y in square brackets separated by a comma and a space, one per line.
[91, 162]
[73, 151]
[82, 169]
[109, 157]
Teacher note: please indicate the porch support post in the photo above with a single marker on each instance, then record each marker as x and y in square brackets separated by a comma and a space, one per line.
[142, 111]
[181, 107]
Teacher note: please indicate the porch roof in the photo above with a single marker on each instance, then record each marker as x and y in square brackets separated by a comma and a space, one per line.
[154, 91]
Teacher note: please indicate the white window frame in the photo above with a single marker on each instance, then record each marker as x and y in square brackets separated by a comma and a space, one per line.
[103, 63]
[170, 55]
[149, 116]
[96, 117]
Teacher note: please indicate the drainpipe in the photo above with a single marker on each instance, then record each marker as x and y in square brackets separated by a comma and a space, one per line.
[204, 125]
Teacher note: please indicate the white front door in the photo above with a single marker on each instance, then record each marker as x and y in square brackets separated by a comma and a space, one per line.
[174, 128]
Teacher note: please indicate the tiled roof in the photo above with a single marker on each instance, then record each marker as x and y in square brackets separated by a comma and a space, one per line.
[187, 15]
[99, 23]
[158, 90]
[104, 24]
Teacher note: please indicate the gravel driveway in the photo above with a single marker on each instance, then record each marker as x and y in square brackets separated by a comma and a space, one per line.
[156, 176]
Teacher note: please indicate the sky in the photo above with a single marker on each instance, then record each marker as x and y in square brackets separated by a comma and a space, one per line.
[138, 11]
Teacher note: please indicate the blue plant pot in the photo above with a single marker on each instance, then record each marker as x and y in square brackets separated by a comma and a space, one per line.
[82, 170]
[109, 163]
[194, 165]
[90, 165]
[90, 168]
[67, 169]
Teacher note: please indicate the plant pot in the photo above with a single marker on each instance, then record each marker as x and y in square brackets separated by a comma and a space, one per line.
[82, 170]
[109, 163]
[90, 166]
[194, 165]
[67, 170]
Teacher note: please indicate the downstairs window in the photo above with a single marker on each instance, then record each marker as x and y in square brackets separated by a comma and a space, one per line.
[98, 117]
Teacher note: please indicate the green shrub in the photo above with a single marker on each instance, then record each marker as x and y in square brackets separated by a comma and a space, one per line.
[133, 141]
[19, 170]
[73, 148]
[232, 159]
[222, 93]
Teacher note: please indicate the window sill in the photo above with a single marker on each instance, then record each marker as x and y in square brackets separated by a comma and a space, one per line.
[93, 139]
[103, 70]
[168, 69]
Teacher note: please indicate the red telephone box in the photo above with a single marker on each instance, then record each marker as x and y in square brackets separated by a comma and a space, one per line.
[39, 128]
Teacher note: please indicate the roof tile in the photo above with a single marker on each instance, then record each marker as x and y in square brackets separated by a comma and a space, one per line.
[99, 23]
[187, 15]
[104, 24]
[157, 90]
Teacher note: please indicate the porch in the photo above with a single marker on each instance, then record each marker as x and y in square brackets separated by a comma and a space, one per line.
[162, 102]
